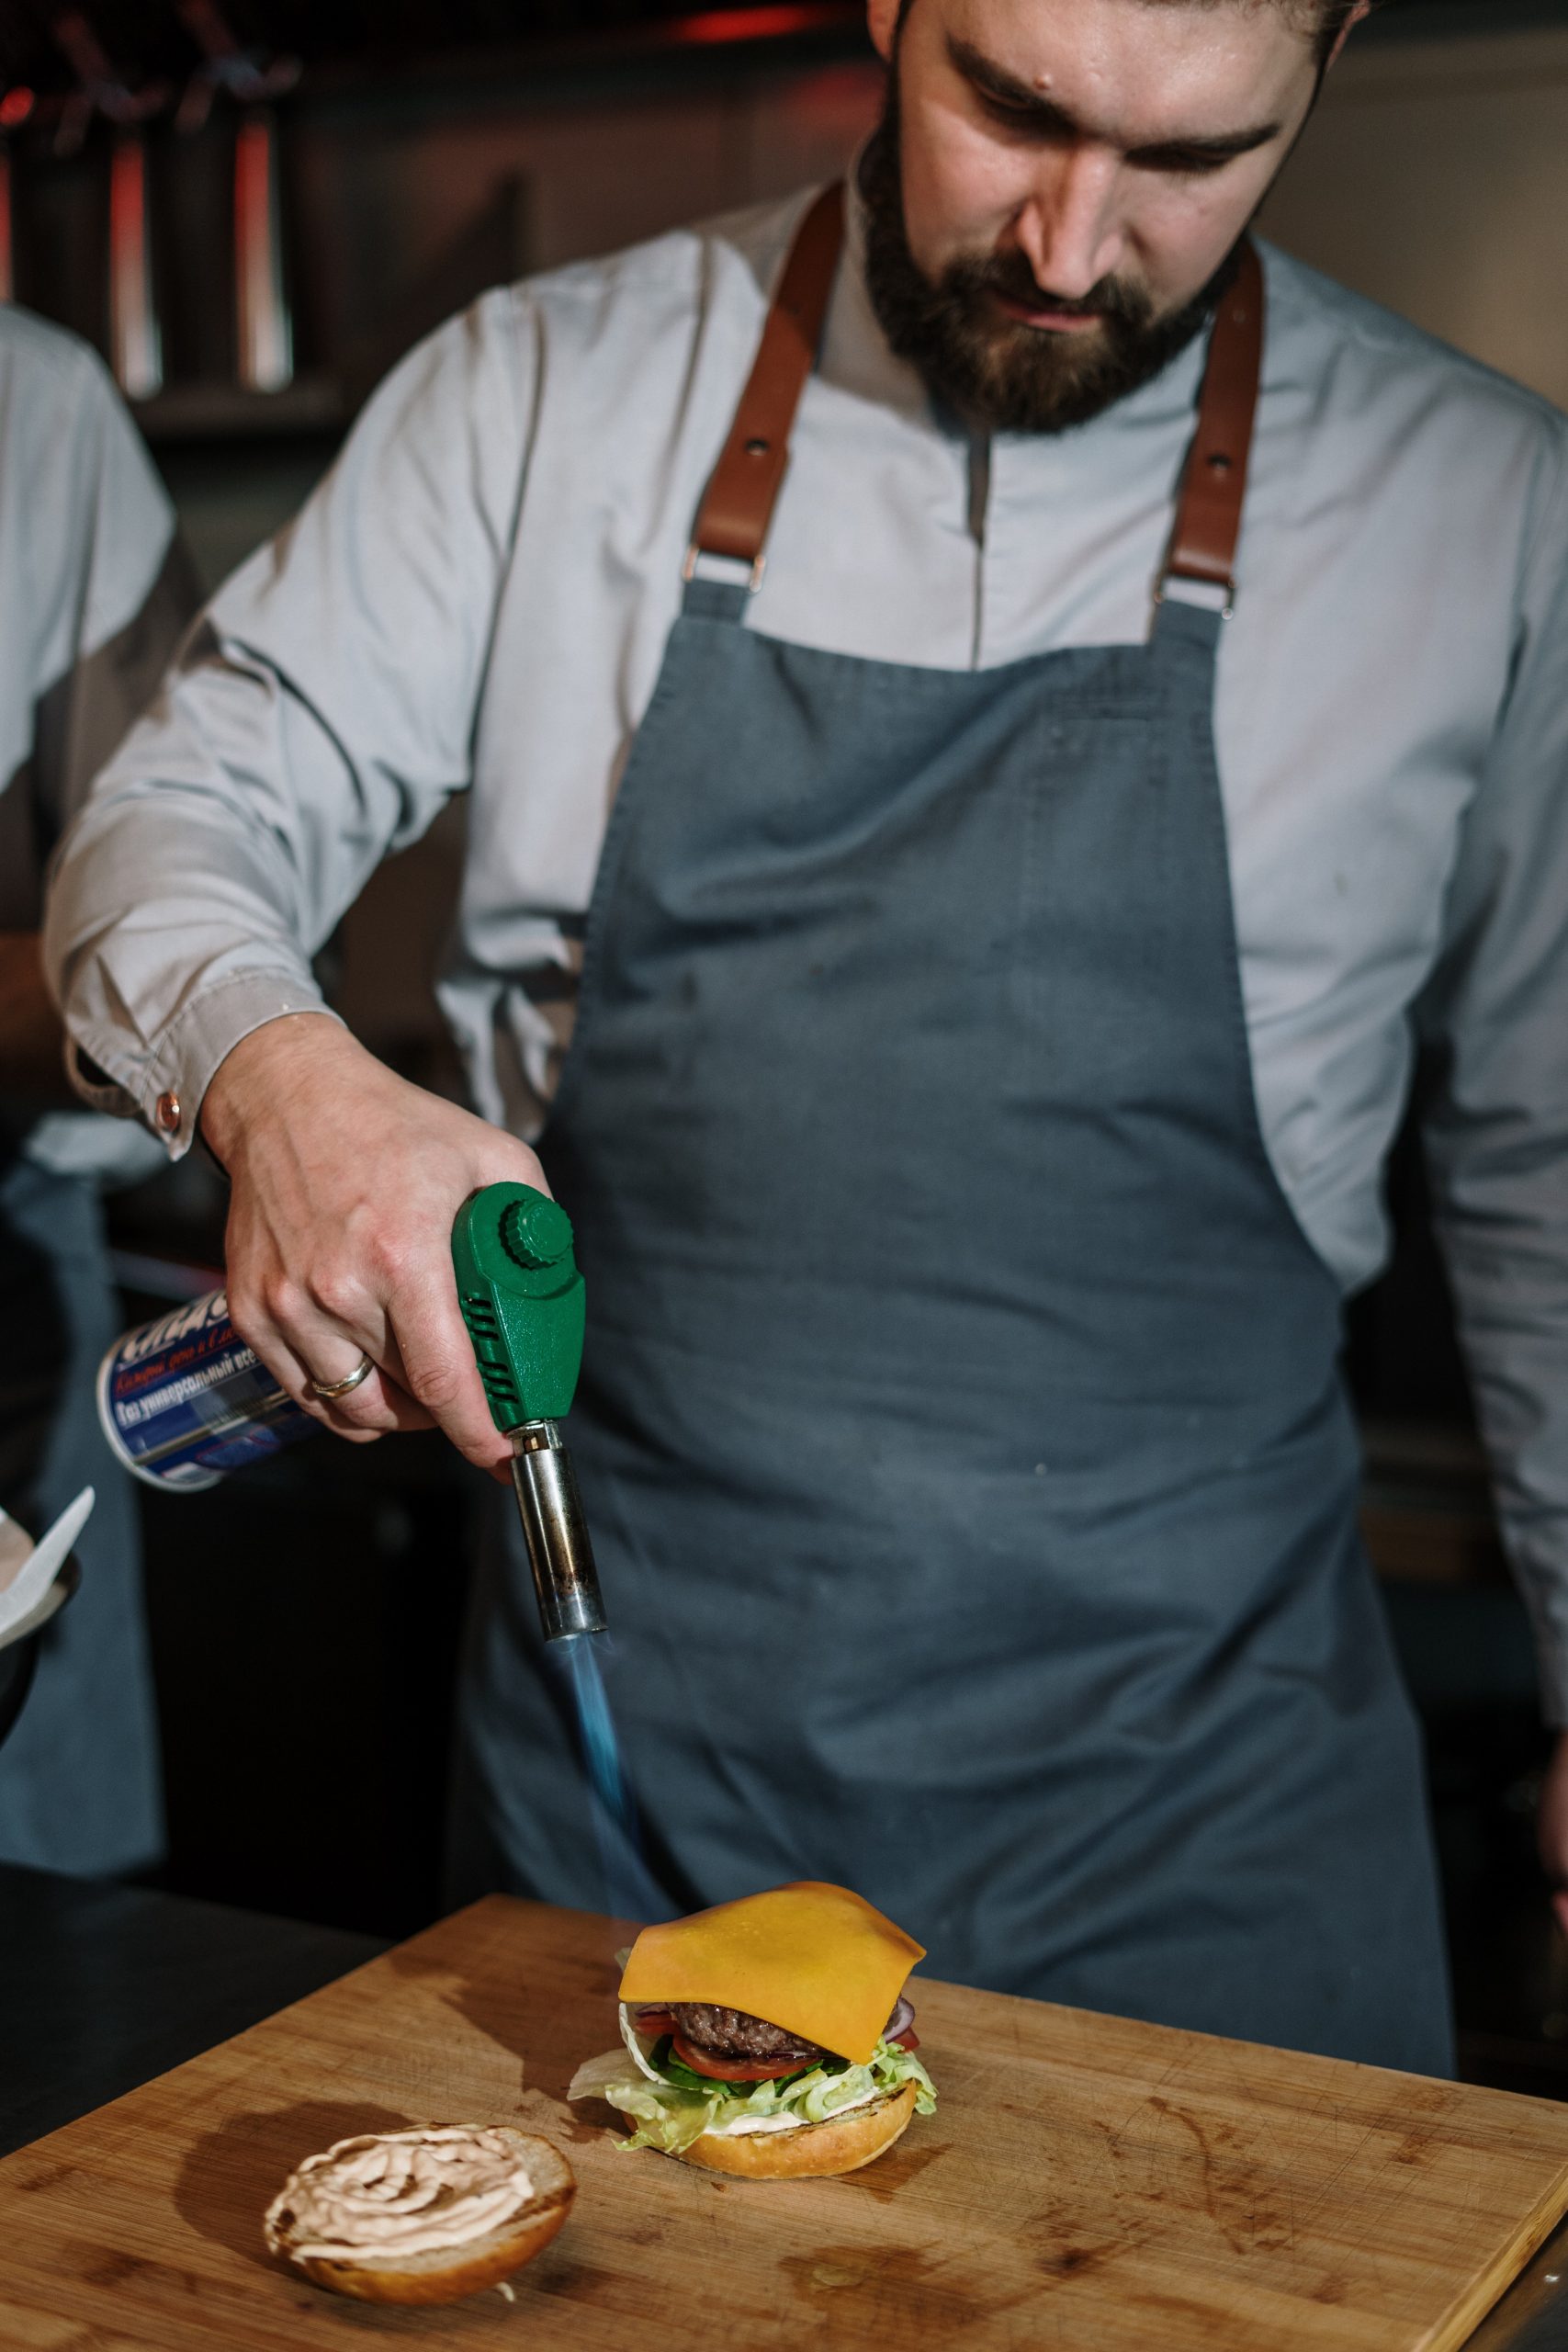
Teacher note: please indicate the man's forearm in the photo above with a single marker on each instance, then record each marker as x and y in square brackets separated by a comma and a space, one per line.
[30, 1035]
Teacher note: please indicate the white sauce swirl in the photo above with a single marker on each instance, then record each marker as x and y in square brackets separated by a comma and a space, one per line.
[400, 2193]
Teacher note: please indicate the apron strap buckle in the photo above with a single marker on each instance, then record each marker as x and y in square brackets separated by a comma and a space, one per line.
[694, 554]
[1227, 587]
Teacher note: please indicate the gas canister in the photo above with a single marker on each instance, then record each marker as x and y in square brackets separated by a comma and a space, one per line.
[184, 1400]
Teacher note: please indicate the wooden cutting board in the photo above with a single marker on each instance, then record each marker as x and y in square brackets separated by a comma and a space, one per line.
[1086, 2184]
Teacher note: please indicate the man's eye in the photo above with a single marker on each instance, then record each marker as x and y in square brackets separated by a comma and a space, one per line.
[1178, 165]
[1014, 117]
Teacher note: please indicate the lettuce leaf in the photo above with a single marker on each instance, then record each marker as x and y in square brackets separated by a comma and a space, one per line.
[671, 2107]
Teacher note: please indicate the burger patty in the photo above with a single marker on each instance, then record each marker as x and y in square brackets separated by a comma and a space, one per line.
[730, 2033]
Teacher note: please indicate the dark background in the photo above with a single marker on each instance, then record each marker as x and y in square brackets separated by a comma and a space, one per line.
[306, 1618]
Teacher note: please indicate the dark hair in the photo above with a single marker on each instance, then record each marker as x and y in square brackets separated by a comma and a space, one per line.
[1333, 15]
[1327, 18]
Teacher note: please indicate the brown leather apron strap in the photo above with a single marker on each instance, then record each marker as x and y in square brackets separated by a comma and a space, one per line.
[1208, 518]
[738, 505]
[743, 488]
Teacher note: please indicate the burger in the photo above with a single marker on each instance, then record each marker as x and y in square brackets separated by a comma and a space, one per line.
[770, 2037]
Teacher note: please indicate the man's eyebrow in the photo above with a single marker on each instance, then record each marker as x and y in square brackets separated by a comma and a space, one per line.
[1031, 104]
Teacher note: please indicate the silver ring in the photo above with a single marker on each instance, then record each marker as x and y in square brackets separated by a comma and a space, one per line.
[332, 1388]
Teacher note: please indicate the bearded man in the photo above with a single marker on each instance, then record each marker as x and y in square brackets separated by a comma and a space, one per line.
[949, 914]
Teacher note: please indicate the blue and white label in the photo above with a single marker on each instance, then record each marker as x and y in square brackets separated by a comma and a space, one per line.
[184, 1400]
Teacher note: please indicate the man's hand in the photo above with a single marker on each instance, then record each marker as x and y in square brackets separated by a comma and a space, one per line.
[1551, 1829]
[345, 1183]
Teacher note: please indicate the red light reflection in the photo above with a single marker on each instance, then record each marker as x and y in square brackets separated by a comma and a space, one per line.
[751, 24]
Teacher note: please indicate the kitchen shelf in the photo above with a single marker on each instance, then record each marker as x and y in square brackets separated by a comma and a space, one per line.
[313, 405]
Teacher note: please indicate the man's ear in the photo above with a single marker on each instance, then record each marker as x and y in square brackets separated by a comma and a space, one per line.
[882, 18]
[1362, 8]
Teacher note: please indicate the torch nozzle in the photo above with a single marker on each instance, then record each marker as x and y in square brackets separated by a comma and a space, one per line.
[565, 1582]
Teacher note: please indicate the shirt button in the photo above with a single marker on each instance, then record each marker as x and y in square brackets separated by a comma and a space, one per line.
[167, 1112]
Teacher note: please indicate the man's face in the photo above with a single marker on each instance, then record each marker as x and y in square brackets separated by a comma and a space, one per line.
[1059, 185]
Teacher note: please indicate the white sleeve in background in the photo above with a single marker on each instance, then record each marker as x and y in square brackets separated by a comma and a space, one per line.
[136, 593]
[1496, 1012]
[322, 713]
[94, 592]
[94, 589]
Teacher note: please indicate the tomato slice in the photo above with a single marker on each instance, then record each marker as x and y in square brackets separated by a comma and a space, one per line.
[736, 2070]
[652, 2022]
[908, 2039]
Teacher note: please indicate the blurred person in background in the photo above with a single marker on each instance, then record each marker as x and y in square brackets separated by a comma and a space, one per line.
[94, 593]
[964, 988]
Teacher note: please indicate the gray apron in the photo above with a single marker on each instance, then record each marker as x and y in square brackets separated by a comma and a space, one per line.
[961, 1428]
[80, 1781]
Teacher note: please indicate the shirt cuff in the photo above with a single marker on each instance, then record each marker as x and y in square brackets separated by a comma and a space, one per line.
[165, 1086]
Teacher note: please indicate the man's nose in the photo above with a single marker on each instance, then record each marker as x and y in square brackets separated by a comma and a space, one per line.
[1067, 227]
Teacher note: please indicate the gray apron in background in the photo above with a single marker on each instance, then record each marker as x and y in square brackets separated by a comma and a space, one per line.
[961, 1427]
[80, 1784]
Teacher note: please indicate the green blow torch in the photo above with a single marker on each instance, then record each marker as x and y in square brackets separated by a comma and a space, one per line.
[522, 1298]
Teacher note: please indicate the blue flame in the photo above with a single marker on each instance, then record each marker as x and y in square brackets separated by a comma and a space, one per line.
[630, 1892]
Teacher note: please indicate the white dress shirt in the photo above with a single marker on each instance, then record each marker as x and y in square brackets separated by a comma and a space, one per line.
[478, 598]
[94, 594]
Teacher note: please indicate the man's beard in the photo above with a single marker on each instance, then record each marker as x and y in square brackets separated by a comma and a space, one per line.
[993, 371]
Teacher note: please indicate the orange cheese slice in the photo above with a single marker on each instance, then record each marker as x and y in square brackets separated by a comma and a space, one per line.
[813, 1959]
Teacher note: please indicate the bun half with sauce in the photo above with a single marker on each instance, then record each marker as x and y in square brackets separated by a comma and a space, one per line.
[423, 2216]
[769, 2038]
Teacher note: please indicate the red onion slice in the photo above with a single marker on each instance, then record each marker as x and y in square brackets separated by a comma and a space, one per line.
[902, 2018]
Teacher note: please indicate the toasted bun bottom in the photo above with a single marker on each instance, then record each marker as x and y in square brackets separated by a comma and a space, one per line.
[813, 2151]
[445, 2276]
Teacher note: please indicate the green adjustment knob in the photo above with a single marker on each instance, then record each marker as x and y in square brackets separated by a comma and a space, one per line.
[522, 1298]
[535, 1230]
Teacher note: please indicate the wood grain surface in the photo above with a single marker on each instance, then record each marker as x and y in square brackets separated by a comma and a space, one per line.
[1086, 2185]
